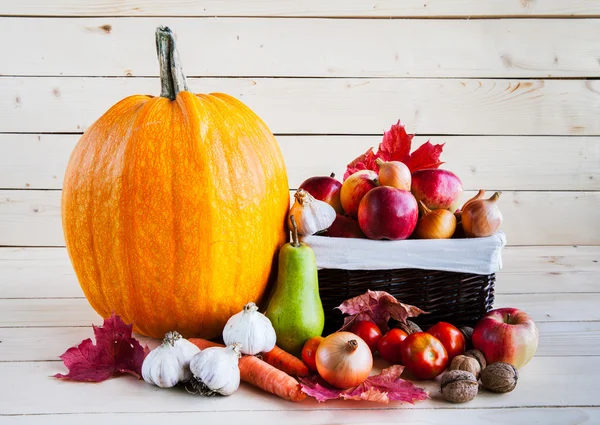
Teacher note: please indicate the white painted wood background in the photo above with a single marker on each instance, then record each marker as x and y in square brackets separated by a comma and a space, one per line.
[511, 86]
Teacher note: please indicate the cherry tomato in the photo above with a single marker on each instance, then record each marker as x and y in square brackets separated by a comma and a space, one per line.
[368, 331]
[423, 355]
[310, 350]
[389, 345]
[450, 336]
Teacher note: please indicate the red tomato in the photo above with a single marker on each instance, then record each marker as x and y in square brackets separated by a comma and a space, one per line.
[310, 350]
[368, 331]
[389, 346]
[423, 355]
[450, 336]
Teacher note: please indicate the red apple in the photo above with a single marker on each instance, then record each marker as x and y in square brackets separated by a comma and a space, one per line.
[326, 189]
[438, 189]
[388, 213]
[344, 227]
[355, 187]
[506, 335]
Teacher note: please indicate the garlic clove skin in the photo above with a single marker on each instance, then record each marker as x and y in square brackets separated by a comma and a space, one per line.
[252, 329]
[161, 368]
[216, 370]
[312, 216]
[185, 353]
[168, 364]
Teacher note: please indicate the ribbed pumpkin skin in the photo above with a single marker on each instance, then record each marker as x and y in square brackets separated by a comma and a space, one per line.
[173, 211]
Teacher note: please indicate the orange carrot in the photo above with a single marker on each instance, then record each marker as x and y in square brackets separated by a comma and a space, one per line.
[286, 362]
[262, 375]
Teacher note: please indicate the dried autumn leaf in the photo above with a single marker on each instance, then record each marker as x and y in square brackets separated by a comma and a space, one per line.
[395, 146]
[116, 350]
[378, 307]
[379, 388]
[425, 156]
[364, 162]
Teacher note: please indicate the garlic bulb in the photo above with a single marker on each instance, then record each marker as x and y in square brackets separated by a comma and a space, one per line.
[215, 370]
[169, 364]
[312, 216]
[253, 330]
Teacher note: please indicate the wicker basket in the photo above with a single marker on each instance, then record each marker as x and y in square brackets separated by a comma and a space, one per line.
[453, 280]
[459, 298]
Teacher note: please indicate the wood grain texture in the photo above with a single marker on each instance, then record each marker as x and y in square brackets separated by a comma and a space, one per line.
[454, 416]
[329, 106]
[550, 282]
[387, 415]
[47, 344]
[568, 339]
[307, 47]
[576, 378]
[553, 307]
[77, 311]
[32, 218]
[38, 161]
[552, 260]
[47, 272]
[37, 273]
[332, 8]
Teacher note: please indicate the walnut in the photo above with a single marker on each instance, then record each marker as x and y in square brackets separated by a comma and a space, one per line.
[467, 363]
[467, 332]
[477, 355]
[459, 386]
[499, 377]
[409, 327]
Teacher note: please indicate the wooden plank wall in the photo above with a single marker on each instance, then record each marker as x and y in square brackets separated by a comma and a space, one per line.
[511, 87]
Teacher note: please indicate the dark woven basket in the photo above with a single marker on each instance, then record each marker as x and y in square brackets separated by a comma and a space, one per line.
[458, 298]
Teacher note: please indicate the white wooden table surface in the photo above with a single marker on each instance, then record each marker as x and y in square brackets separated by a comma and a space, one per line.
[511, 87]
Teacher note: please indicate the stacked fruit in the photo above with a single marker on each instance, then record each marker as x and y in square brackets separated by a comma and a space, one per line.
[503, 341]
[382, 199]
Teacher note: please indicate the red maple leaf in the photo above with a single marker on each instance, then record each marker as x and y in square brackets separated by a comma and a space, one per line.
[116, 350]
[395, 146]
[364, 162]
[425, 156]
[379, 388]
[378, 307]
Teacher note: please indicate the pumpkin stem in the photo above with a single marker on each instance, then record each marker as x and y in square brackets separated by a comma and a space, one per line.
[172, 79]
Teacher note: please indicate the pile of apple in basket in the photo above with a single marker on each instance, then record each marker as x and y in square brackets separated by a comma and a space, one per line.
[393, 194]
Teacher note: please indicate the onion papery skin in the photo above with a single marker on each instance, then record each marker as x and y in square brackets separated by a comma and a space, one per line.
[341, 365]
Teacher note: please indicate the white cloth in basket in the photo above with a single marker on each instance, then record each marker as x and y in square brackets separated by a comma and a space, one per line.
[476, 255]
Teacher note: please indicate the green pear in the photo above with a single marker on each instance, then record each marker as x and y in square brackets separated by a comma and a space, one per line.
[295, 308]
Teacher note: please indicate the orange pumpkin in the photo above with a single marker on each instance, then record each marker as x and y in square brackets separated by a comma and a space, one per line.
[174, 207]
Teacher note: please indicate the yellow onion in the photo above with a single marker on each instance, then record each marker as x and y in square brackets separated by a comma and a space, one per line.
[394, 173]
[435, 224]
[344, 360]
[482, 217]
[458, 213]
